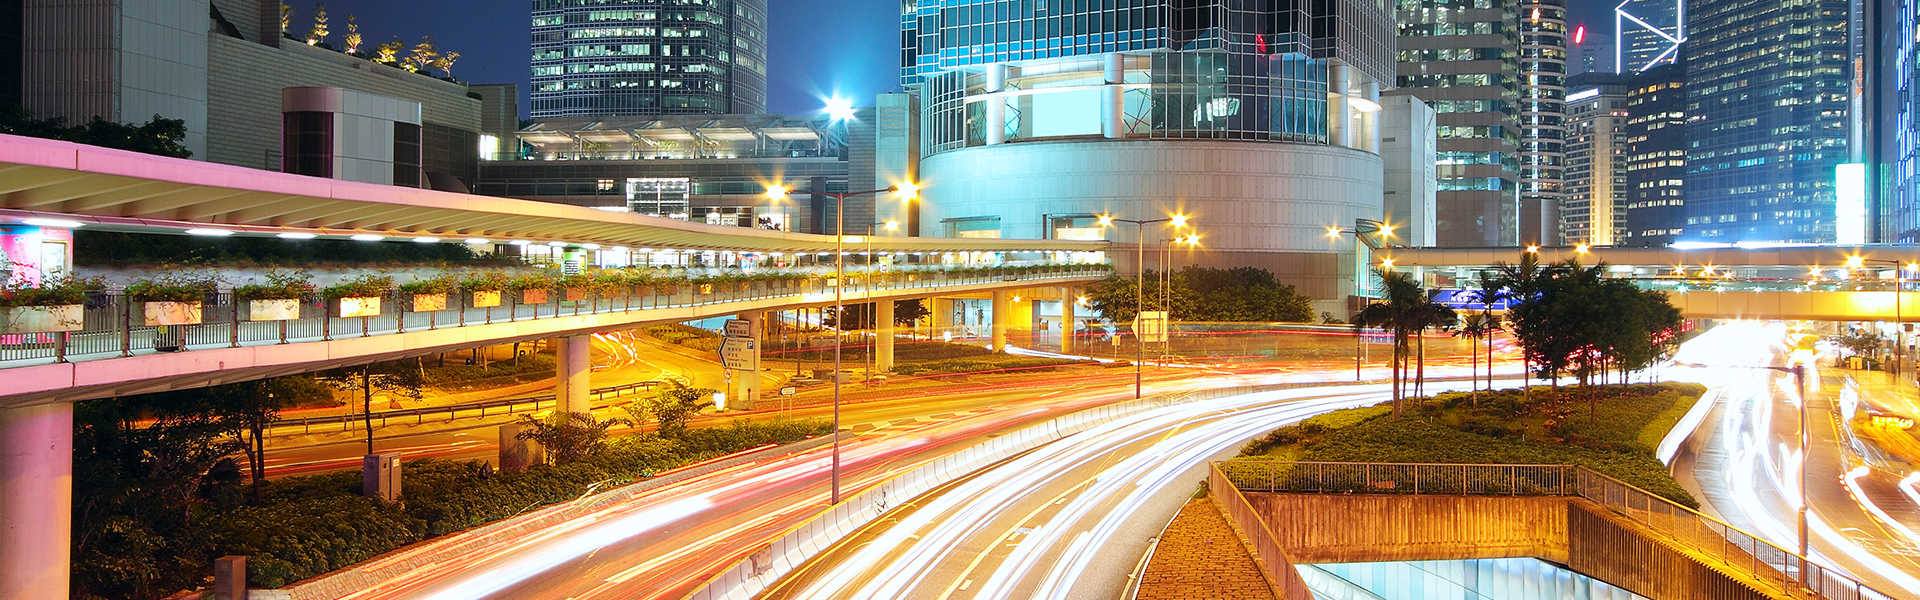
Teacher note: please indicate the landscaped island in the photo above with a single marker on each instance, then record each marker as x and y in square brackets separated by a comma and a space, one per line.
[1539, 426]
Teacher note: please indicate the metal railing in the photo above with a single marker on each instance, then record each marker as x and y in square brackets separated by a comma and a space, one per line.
[1710, 537]
[512, 405]
[113, 325]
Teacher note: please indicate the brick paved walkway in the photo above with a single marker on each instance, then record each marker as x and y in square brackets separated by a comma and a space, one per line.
[1201, 558]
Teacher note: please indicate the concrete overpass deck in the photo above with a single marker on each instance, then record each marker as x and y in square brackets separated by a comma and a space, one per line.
[1814, 282]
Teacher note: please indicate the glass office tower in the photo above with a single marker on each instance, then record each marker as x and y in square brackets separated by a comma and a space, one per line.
[1769, 103]
[1256, 117]
[1463, 58]
[648, 57]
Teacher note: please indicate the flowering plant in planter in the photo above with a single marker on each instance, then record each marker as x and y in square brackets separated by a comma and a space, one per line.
[430, 294]
[533, 287]
[279, 298]
[53, 305]
[485, 287]
[173, 297]
[360, 296]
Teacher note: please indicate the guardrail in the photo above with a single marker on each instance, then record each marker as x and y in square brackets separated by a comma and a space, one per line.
[1274, 563]
[512, 405]
[114, 326]
[1719, 541]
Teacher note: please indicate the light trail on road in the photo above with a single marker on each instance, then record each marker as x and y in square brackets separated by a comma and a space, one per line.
[1758, 434]
[1066, 502]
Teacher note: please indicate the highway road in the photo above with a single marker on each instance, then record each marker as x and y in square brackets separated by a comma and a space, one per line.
[1861, 520]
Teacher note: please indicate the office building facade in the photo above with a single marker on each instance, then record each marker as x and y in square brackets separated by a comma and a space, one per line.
[1593, 210]
[1648, 33]
[1462, 57]
[1543, 131]
[648, 57]
[1259, 120]
[1770, 119]
[1656, 157]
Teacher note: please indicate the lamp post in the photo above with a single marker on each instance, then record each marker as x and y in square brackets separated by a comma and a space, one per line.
[1166, 281]
[1139, 285]
[1361, 228]
[903, 191]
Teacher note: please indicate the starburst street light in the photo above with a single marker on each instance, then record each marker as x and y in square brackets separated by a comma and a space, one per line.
[1139, 279]
[839, 109]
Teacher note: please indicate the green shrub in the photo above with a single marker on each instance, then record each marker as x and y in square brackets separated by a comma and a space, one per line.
[531, 281]
[280, 285]
[485, 281]
[975, 365]
[364, 286]
[438, 284]
[50, 292]
[310, 525]
[174, 286]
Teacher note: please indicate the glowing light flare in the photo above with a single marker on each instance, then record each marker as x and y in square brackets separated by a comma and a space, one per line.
[839, 109]
[1386, 263]
[905, 190]
[1531, 249]
[1178, 220]
[778, 192]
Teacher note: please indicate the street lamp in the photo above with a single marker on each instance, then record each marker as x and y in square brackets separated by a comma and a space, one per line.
[1799, 360]
[1166, 275]
[1361, 229]
[903, 191]
[1139, 283]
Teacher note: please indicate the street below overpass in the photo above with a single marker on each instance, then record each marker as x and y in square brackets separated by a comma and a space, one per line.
[665, 543]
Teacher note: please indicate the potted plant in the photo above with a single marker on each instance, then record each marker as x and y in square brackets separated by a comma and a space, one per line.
[579, 286]
[172, 297]
[430, 294]
[484, 287]
[358, 297]
[278, 299]
[53, 305]
[533, 287]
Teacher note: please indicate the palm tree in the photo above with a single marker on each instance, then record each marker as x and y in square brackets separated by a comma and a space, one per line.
[1476, 326]
[1406, 311]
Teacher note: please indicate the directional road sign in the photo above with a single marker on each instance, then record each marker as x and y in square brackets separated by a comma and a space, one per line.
[739, 354]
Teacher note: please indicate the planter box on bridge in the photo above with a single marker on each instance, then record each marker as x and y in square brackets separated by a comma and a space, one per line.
[41, 319]
[429, 302]
[282, 309]
[352, 307]
[533, 296]
[170, 313]
[486, 298]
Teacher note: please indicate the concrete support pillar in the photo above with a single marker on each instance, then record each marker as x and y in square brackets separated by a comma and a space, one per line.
[36, 501]
[573, 366]
[1002, 313]
[1068, 298]
[1113, 119]
[883, 336]
[1339, 111]
[996, 106]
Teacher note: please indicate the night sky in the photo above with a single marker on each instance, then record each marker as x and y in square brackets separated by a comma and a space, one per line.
[819, 47]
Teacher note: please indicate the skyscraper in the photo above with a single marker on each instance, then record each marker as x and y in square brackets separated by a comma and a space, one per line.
[1769, 99]
[1259, 119]
[648, 57]
[1594, 208]
[1543, 92]
[1656, 159]
[1463, 58]
[1648, 33]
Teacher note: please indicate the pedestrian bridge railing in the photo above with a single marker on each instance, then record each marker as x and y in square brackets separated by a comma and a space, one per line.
[1724, 544]
[114, 326]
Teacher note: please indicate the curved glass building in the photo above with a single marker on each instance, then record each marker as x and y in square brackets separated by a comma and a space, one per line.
[1256, 118]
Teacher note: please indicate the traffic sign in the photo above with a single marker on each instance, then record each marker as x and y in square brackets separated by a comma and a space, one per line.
[739, 328]
[1151, 326]
[739, 354]
[788, 391]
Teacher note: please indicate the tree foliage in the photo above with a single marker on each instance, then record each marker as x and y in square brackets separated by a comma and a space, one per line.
[1406, 311]
[1570, 319]
[674, 403]
[1205, 294]
[159, 136]
[568, 436]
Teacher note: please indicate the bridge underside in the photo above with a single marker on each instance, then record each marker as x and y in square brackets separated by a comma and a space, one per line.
[1804, 306]
[147, 373]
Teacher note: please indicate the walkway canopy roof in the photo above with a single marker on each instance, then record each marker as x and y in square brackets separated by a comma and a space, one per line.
[116, 189]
